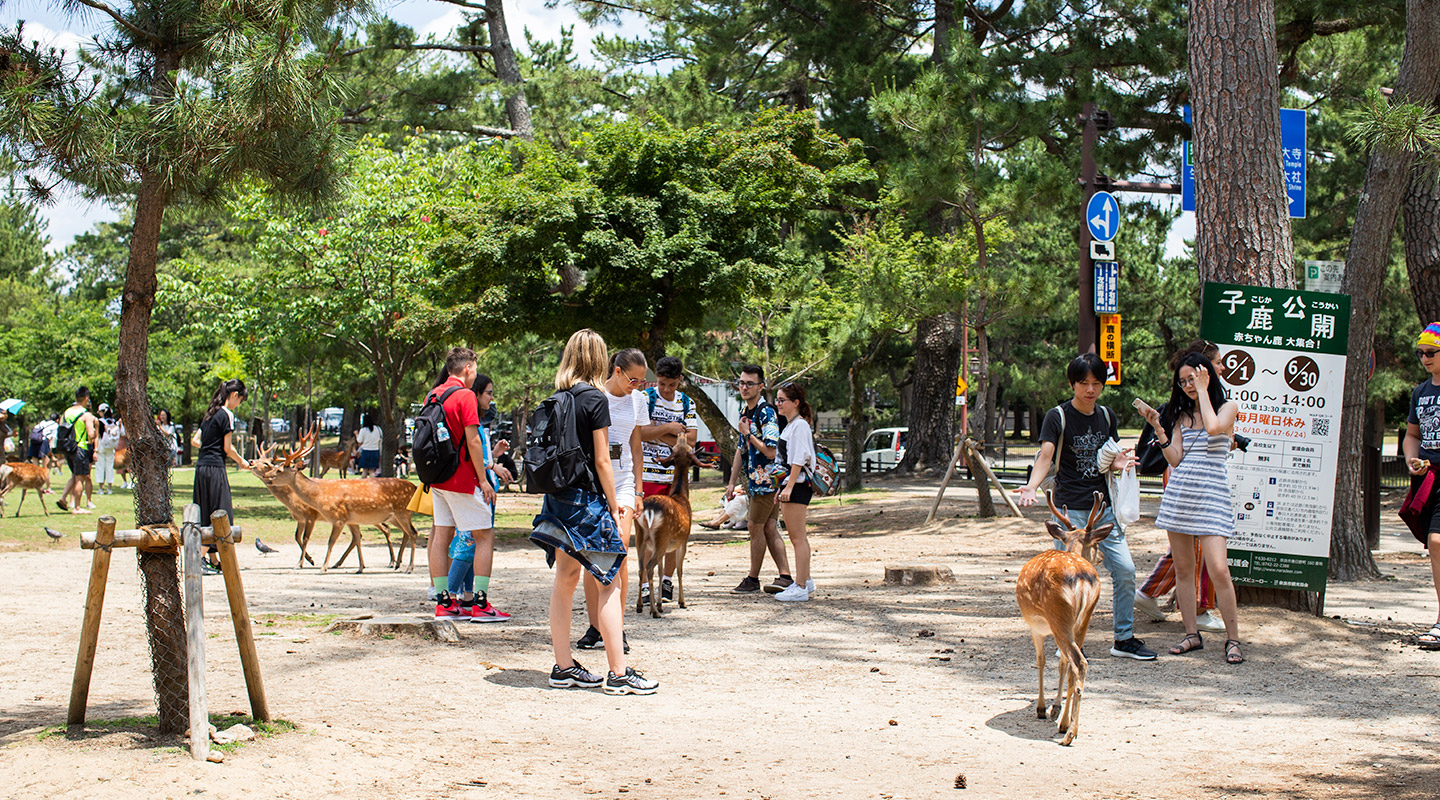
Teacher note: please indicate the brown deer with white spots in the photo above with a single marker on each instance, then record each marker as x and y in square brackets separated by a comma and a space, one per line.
[1057, 591]
[664, 528]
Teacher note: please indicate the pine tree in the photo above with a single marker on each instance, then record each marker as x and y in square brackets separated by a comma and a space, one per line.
[178, 98]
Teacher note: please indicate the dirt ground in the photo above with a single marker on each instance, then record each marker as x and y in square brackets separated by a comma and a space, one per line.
[867, 691]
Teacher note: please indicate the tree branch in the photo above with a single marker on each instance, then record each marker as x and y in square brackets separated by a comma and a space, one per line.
[124, 23]
[453, 48]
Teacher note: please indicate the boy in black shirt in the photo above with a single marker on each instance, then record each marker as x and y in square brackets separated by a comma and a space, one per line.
[1083, 429]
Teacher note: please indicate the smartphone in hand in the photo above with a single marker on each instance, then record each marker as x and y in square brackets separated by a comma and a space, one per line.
[1143, 407]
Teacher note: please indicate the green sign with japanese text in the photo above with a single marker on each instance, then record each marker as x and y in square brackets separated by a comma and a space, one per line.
[1282, 354]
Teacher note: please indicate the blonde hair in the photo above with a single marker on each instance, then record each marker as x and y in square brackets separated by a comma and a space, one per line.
[586, 358]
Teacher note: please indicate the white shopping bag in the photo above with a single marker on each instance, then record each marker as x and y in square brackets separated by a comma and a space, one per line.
[1127, 496]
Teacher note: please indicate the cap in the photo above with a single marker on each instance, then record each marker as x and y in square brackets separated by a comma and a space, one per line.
[1431, 335]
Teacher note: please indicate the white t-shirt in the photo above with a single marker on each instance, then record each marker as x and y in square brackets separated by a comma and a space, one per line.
[665, 411]
[627, 412]
[368, 438]
[799, 445]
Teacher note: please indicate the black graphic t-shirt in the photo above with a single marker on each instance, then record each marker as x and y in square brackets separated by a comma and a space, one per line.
[1078, 475]
[1425, 412]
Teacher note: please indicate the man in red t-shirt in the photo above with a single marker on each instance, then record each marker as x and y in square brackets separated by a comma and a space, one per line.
[466, 500]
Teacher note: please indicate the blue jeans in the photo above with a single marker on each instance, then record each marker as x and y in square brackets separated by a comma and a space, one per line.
[1116, 554]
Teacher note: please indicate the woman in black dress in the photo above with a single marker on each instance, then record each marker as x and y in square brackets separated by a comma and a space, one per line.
[212, 485]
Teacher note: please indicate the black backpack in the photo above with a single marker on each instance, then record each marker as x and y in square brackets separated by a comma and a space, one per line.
[433, 444]
[65, 441]
[554, 459]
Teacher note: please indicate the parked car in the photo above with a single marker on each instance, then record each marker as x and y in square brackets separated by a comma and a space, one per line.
[280, 425]
[884, 449]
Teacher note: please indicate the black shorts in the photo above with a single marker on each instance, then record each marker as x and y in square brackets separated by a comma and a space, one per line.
[801, 494]
[79, 462]
[39, 450]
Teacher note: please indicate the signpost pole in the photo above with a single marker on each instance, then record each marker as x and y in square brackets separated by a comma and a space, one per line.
[1089, 330]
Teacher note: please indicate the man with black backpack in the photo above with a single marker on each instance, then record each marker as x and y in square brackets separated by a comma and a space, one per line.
[75, 439]
[451, 460]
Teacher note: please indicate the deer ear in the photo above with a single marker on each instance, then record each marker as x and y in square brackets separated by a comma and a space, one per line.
[1053, 528]
[1099, 534]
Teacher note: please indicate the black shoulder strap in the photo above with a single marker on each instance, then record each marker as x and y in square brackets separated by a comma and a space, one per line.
[452, 390]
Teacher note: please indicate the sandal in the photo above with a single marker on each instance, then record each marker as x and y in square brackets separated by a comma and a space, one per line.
[1430, 640]
[1232, 652]
[1192, 641]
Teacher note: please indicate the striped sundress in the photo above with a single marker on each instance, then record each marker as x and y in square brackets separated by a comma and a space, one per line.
[1197, 498]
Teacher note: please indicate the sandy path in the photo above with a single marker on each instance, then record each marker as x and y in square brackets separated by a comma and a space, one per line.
[757, 699]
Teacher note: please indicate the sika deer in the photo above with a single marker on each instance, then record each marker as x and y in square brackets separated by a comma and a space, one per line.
[1057, 591]
[304, 515]
[664, 527]
[365, 501]
[29, 477]
[338, 459]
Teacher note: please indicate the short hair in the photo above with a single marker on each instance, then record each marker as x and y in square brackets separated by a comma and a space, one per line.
[668, 367]
[82, 393]
[1086, 365]
[457, 358]
[754, 369]
[586, 359]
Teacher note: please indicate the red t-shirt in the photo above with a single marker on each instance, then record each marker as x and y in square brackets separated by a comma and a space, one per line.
[460, 410]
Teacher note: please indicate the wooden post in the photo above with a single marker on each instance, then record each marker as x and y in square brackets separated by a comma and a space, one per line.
[945, 484]
[90, 629]
[240, 615]
[994, 480]
[195, 634]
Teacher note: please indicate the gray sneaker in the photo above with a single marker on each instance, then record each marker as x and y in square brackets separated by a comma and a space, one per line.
[631, 683]
[574, 676]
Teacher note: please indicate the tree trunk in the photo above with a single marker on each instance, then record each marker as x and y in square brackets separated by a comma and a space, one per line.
[856, 431]
[1242, 219]
[1422, 243]
[507, 69]
[725, 434]
[391, 425]
[931, 416]
[150, 458]
[1387, 177]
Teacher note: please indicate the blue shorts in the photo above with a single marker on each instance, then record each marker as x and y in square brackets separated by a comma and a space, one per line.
[462, 546]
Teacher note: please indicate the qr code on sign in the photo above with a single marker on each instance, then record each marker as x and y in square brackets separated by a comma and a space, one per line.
[1320, 426]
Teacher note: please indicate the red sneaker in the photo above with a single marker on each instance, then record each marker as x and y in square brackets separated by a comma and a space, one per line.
[447, 607]
[487, 613]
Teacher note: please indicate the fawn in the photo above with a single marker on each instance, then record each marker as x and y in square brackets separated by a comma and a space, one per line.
[664, 527]
[1057, 591]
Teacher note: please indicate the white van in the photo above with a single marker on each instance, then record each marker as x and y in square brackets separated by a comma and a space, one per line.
[883, 449]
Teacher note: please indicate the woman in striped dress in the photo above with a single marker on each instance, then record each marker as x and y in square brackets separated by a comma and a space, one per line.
[1196, 428]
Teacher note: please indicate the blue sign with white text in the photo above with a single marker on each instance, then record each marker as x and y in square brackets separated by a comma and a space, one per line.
[1107, 287]
[1102, 214]
[1293, 146]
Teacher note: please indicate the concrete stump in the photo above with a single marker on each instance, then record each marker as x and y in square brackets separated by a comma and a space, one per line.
[435, 630]
[911, 575]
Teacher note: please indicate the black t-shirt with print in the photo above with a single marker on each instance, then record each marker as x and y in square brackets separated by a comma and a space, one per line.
[1078, 475]
[592, 412]
[1425, 412]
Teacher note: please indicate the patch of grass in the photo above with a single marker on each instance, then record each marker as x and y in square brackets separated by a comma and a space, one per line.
[147, 723]
[308, 620]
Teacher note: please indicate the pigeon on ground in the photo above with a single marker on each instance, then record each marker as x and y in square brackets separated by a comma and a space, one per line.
[264, 548]
[53, 534]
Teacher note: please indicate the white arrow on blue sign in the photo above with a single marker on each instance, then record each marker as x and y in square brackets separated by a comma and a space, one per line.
[1102, 214]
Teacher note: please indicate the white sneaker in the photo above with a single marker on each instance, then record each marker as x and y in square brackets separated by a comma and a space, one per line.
[90, 505]
[810, 585]
[1149, 606]
[1209, 622]
[431, 594]
[793, 593]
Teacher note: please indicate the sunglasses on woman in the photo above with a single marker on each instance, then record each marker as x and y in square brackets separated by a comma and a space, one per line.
[1426, 353]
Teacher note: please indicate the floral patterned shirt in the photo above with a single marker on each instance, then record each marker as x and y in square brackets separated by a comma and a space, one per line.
[765, 423]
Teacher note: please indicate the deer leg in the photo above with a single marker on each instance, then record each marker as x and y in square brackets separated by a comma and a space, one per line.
[355, 545]
[1072, 660]
[679, 574]
[385, 529]
[40, 498]
[1072, 703]
[410, 536]
[335, 529]
[22, 501]
[354, 541]
[302, 538]
[652, 568]
[1038, 639]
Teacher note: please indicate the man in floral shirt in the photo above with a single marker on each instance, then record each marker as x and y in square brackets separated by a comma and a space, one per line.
[759, 440]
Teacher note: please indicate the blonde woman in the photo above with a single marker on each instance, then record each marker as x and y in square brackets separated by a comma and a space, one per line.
[576, 526]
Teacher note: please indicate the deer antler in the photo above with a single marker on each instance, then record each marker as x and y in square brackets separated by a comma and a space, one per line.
[1095, 511]
[1063, 517]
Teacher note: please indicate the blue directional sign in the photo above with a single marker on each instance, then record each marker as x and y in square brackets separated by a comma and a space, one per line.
[1102, 214]
[1107, 287]
[1293, 147]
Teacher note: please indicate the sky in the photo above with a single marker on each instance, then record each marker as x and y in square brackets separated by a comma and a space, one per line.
[71, 215]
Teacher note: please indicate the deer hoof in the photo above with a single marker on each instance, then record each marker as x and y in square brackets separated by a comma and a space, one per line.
[1054, 712]
[1040, 712]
